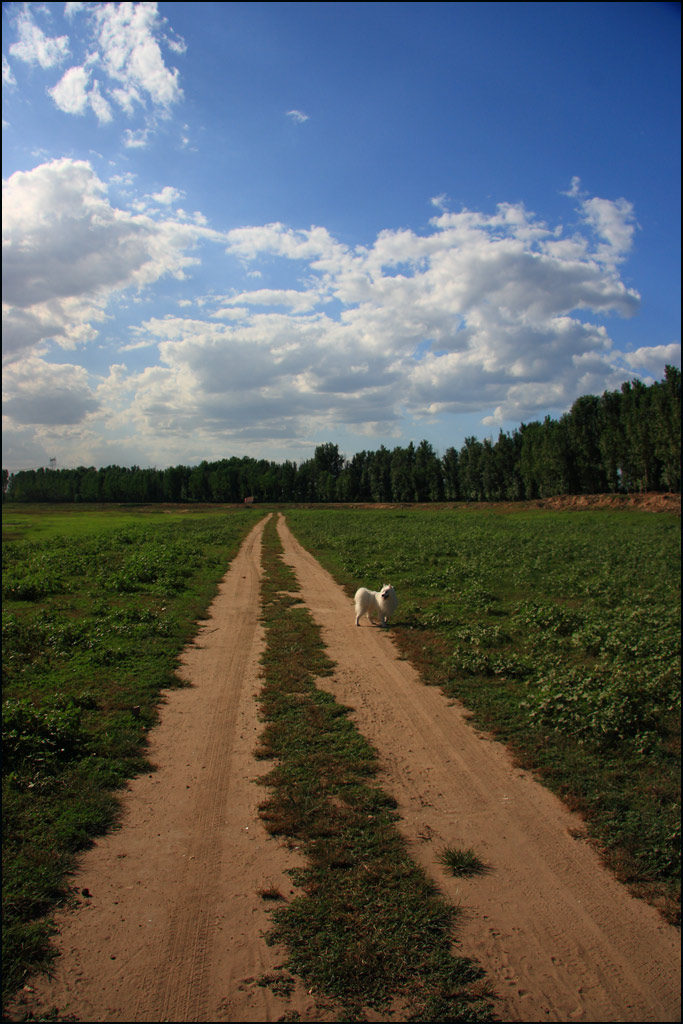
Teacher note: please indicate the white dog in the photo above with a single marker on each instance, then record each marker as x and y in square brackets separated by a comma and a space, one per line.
[376, 605]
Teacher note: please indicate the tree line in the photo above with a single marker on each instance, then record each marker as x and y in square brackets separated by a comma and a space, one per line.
[622, 441]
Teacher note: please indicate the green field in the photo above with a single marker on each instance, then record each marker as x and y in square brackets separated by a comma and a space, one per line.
[97, 605]
[561, 632]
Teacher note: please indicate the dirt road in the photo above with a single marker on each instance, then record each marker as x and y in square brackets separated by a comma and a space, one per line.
[173, 928]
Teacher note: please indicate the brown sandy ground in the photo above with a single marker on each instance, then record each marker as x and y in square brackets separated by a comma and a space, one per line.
[648, 501]
[173, 928]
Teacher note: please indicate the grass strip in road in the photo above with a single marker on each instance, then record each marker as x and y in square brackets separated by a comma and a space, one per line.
[370, 930]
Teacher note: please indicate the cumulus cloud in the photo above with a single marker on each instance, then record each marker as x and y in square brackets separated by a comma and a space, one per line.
[498, 313]
[136, 139]
[45, 394]
[654, 358]
[71, 94]
[34, 47]
[123, 64]
[67, 250]
[297, 301]
[167, 196]
[128, 36]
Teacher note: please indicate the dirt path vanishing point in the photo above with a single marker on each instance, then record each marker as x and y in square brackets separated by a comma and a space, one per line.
[173, 928]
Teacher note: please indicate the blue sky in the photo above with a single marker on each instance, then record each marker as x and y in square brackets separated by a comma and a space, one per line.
[251, 228]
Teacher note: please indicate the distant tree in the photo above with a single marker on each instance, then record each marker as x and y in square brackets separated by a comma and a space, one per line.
[585, 424]
[470, 470]
[666, 427]
[427, 474]
[402, 474]
[640, 468]
[379, 475]
[449, 465]
[530, 458]
[359, 488]
[611, 440]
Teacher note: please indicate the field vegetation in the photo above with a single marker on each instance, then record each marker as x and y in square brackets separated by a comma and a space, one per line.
[97, 605]
[560, 631]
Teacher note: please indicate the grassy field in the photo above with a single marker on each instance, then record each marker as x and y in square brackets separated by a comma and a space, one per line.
[561, 632]
[97, 605]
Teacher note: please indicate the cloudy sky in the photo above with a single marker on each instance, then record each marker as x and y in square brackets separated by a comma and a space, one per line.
[251, 228]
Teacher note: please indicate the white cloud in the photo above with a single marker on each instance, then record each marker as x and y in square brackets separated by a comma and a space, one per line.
[612, 221]
[7, 75]
[73, 7]
[128, 37]
[167, 196]
[37, 392]
[492, 313]
[67, 250]
[441, 201]
[654, 358]
[101, 108]
[70, 94]
[298, 302]
[297, 116]
[34, 47]
[136, 139]
[123, 59]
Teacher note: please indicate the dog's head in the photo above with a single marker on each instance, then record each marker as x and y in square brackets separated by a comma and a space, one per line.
[386, 591]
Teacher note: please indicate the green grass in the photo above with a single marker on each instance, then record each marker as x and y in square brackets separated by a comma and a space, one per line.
[461, 863]
[370, 930]
[94, 619]
[561, 632]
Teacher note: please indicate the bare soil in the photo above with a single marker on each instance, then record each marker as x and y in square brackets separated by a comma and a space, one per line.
[646, 501]
[172, 928]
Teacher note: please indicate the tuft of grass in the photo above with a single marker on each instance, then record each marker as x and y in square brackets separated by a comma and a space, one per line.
[280, 983]
[369, 930]
[270, 892]
[461, 863]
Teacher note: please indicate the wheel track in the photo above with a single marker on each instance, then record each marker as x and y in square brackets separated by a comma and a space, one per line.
[178, 978]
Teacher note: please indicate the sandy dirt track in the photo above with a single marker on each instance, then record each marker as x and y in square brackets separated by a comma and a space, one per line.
[173, 927]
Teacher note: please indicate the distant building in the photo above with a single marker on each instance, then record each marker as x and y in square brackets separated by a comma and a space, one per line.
[249, 501]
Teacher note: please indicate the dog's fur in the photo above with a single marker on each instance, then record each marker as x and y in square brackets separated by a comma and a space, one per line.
[376, 604]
